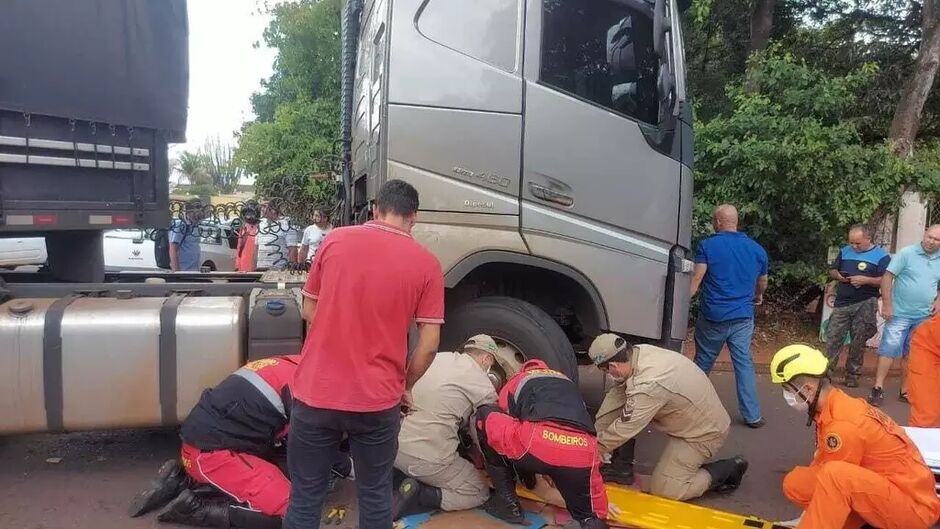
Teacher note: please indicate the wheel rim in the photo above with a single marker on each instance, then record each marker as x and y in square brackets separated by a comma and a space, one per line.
[510, 355]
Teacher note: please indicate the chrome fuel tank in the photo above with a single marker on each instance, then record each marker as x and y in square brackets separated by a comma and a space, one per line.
[84, 363]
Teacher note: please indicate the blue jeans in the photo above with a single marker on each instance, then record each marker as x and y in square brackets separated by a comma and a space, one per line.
[710, 336]
[896, 336]
[315, 435]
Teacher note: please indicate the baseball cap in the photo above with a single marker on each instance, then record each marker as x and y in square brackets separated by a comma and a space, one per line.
[481, 342]
[605, 347]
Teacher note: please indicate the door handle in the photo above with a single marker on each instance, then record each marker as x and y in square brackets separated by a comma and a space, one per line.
[550, 195]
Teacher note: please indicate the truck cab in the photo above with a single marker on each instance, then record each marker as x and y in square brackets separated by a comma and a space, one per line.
[551, 146]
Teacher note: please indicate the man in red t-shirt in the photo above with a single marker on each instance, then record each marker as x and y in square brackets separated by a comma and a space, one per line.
[366, 285]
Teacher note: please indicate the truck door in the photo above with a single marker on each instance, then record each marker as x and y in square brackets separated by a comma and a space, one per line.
[600, 185]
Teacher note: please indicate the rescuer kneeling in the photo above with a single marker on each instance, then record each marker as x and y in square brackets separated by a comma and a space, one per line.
[662, 387]
[542, 426]
[866, 470]
[230, 440]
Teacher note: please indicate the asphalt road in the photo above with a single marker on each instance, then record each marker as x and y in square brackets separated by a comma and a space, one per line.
[99, 473]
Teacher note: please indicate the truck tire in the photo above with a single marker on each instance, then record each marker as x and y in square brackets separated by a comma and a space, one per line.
[533, 332]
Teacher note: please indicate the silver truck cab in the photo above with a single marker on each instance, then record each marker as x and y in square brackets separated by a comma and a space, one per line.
[551, 147]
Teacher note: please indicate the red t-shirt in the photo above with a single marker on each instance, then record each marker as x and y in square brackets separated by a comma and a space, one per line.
[370, 283]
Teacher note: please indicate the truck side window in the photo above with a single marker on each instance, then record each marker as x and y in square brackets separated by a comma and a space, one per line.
[602, 51]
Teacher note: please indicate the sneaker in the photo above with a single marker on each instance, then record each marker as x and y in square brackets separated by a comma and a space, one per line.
[877, 397]
[851, 381]
[902, 396]
[759, 423]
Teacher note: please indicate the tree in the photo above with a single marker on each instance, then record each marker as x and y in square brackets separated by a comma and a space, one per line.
[906, 122]
[762, 24]
[192, 166]
[293, 138]
[223, 169]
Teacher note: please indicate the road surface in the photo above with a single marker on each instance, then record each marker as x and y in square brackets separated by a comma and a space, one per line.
[100, 472]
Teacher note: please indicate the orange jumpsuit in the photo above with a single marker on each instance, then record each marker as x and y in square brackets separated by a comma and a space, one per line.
[866, 470]
[923, 375]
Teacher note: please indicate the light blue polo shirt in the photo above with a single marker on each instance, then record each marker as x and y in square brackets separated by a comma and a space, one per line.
[916, 275]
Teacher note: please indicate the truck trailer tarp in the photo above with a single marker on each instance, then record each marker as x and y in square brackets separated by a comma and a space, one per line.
[123, 62]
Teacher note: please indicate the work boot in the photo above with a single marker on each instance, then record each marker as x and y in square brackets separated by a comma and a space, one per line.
[503, 503]
[188, 509]
[851, 381]
[620, 468]
[726, 473]
[170, 481]
[413, 497]
[592, 523]
[240, 518]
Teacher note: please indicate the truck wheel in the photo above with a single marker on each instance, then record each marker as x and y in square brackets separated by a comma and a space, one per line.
[519, 325]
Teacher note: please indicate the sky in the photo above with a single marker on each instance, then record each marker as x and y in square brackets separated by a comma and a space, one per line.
[224, 68]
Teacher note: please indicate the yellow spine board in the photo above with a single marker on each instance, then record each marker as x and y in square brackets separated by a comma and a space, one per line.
[645, 511]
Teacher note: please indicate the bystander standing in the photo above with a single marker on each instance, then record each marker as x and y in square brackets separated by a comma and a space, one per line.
[909, 296]
[185, 253]
[858, 268]
[277, 240]
[365, 288]
[314, 234]
[731, 270]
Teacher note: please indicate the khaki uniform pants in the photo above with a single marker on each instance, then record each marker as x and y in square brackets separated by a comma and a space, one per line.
[679, 474]
[460, 482]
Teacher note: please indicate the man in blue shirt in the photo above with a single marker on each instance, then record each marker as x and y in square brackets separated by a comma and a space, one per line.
[909, 296]
[858, 268]
[731, 270]
[185, 253]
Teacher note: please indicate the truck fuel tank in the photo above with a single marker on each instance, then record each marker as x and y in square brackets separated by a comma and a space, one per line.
[87, 363]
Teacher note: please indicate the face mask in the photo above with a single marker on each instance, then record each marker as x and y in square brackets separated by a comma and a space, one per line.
[794, 401]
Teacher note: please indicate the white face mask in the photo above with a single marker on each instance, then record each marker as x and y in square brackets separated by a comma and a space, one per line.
[795, 401]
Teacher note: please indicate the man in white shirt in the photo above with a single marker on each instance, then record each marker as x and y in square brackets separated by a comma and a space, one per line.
[315, 233]
[277, 240]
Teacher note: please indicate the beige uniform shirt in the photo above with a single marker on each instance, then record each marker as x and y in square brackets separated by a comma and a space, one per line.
[666, 390]
[444, 399]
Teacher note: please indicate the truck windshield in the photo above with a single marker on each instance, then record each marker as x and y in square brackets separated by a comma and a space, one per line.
[602, 51]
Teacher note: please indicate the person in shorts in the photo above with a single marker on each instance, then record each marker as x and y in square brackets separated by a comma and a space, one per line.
[909, 296]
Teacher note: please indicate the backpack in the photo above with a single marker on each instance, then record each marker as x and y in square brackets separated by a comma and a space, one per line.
[161, 247]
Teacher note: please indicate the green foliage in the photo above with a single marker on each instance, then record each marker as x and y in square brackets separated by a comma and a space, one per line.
[292, 141]
[222, 166]
[192, 166]
[791, 158]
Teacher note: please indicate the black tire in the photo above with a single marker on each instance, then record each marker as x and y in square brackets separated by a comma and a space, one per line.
[527, 327]
[211, 265]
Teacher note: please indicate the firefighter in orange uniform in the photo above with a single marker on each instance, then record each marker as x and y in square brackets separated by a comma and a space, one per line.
[866, 470]
[923, 375]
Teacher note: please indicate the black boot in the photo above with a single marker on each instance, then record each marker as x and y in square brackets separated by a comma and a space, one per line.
[188, 509]
[240, 518]
[620, 468]
[413, 497]
[594, 523]
[726, 473]
[503, 503]
[170, 481]
[590, 523]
